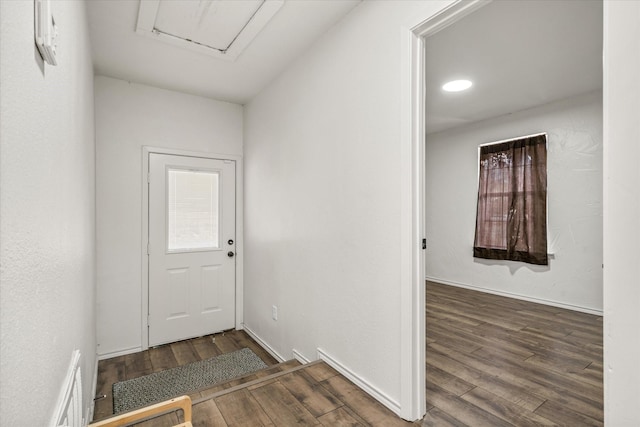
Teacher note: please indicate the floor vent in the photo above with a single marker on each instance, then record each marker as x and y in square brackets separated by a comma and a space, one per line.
[69, 408]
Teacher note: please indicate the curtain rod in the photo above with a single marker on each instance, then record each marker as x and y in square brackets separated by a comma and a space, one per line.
[513, 139]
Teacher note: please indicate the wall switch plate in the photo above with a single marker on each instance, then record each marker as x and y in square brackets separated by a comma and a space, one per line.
[274, 312]
[46, 31]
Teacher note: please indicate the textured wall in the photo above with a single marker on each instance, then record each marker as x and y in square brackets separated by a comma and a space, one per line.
[574, 175]
[128, 117]
[323, 188]
[47, 198]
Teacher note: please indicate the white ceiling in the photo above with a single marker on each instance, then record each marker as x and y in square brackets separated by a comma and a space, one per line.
[519, 54]
[118, 51]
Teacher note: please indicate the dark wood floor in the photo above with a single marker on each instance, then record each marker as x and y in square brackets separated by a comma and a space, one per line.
[491, 361]
[167, 356]
[496, 361]
[285, 394]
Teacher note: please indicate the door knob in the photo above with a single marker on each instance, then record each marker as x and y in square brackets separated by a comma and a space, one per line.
[230, 254]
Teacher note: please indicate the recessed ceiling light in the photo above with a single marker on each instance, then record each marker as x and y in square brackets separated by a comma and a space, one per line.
[457, 85]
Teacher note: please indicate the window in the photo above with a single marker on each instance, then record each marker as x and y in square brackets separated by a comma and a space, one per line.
[511, 219]
[192, 210]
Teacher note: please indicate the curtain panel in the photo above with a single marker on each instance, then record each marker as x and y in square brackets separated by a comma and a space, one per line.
[511, 219]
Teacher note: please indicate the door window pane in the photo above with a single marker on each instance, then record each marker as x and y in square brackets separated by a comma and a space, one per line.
[192, 211]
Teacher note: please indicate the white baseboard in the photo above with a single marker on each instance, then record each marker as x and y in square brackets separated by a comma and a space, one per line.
[363, 384]
[119, 353]
[263, 344]
[517, 296]
[300, 357]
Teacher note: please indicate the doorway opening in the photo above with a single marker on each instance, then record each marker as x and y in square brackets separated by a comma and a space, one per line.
[569, 108]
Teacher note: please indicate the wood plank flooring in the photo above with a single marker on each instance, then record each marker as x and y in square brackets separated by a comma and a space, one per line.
[169, 356]
[496, 361]
[310, 395]
[490, 361]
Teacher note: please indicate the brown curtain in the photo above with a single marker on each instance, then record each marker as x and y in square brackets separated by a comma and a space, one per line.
[511, 220]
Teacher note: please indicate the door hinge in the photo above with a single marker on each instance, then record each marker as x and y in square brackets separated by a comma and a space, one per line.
[147, 248]
[424, 243]
[148, 178]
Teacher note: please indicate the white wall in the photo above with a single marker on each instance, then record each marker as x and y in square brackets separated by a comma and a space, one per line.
[128, 117]
[621, 213]
[574, 161]
[323, 172]
[47, 215]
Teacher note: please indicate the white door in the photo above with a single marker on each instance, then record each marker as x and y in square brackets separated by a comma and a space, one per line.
[191, 247]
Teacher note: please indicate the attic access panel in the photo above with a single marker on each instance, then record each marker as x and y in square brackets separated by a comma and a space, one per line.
[221, 28]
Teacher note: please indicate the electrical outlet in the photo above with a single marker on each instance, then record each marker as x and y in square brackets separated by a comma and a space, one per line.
[274, 312]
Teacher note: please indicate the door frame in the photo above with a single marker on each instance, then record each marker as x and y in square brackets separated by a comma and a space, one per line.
[413, 293]
[239, 285]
